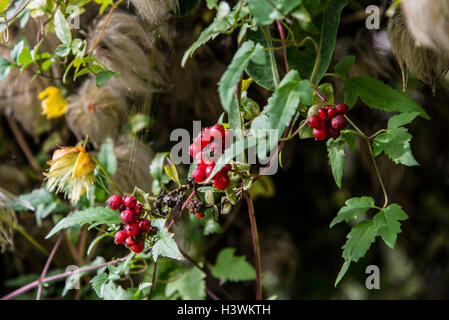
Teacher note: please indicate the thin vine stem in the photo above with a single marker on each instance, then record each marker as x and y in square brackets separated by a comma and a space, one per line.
[60, 276]
[373, 158]
[153, 280]
[47, 264]
[256, 245]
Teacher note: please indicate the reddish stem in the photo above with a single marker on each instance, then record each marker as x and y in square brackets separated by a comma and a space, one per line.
[58, 277]
[281, 33]
[47, 265]
[256, 246]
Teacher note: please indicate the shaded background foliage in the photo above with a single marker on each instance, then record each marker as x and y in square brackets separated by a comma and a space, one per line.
[301, 255]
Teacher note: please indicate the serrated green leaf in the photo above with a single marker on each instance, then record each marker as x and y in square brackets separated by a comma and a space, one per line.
[190, 286]
[165, 246]
[228, 82]
[353, 209]
[62, 28]
[387, 223]
[107, 156]
[230, 267]
[344, 65]
[282, 105]
[266, 75]
[95, 216]
[25, 58]
[375, 94]
[327, 90]
[359, 240]
[336, 154]
[265, 12]
[97, 283]
[395, 143]
[402, 119]
[219, 25]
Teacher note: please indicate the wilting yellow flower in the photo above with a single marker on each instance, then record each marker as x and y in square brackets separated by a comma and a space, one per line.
[246, 83]
[72, 172]
[53, 103]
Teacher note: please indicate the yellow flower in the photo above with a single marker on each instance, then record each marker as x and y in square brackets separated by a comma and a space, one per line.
[53, 103]
[246, 83]
[72, 172]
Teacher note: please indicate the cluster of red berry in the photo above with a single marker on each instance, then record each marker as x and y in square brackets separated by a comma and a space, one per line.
[329, 121]
[213, 140]
[133, 234]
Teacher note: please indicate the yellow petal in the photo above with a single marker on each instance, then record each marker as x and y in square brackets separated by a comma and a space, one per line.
[246, 83]
[62, 152]
[83, 165]
[54, 104]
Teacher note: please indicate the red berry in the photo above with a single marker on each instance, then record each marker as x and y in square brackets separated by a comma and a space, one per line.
[315, 122]
[203, 161]
[130, 202]
[217, 131]
[320, 134]
[138, 209]
[137, 248]
[322, 113]
[132, 229]
[198, 214]
[120, 237]
[221, 180]
[333, 133]
[331, 113]
[114, 202]
[199, 174]
[130, 241]
[341, 109]
[144, 225]
[209, 170]
[127, 216]
[194, 149]
[338, 123]
[226, 168]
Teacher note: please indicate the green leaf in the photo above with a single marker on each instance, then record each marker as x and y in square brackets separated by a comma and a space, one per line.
[402, 119]
[359, 240]
[336, 154]
[111, 291]
[375, 94]
[304, 59]
[25, 58]
[103, 76]
[157, 172]
[353, 209]
[212, 227]
[32, 200]
[15, 52]
[265, 12]
[190, 286]
[395, 143]
[266, 75]
[387, 223]
[211, 4]
[170, 170]
[107, 156]
[219, 25]
[282, 105]
[3, 5]
[343, 270]
[327, 90]
[228, 82]
[95, 216]
[5, 67]
[166, 246]
[343, 66]
[62, 50]
[230, 267]
[62, 28]
[73, 279]
[98, 282]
